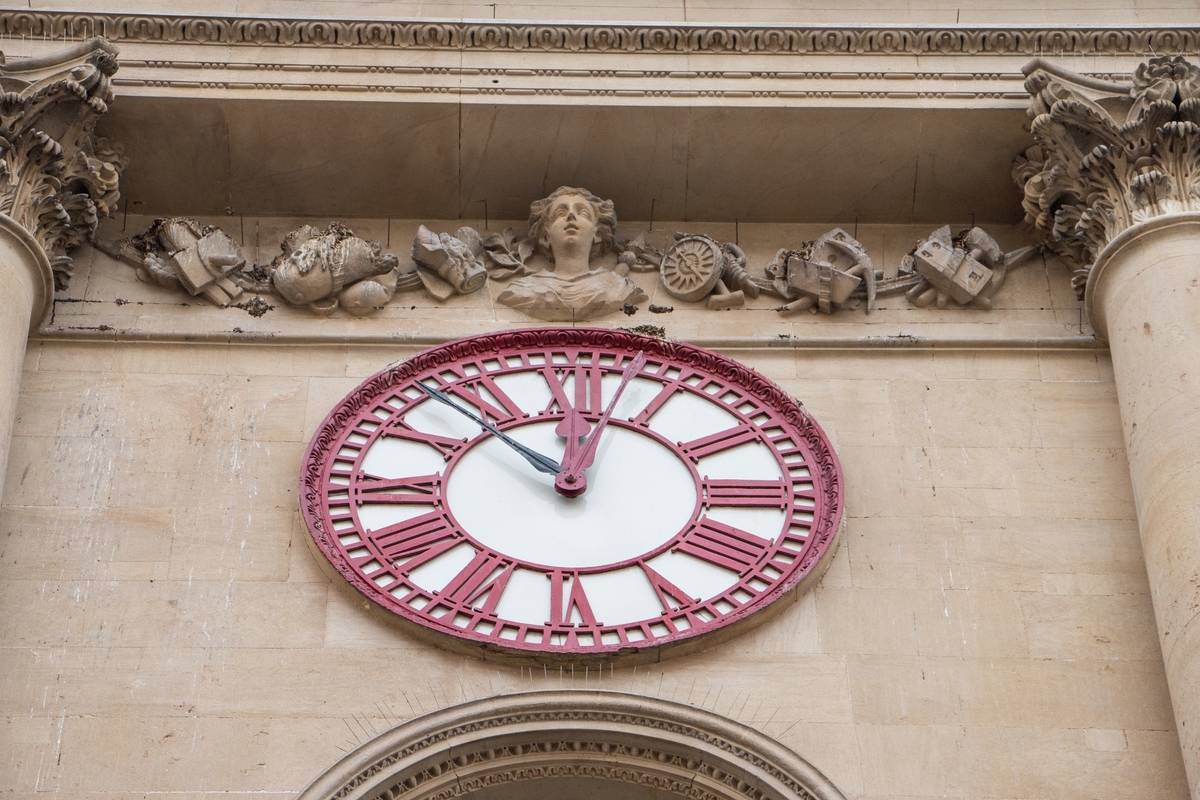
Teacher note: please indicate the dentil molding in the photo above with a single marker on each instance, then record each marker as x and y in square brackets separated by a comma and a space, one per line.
[679, 750]
[598, 38]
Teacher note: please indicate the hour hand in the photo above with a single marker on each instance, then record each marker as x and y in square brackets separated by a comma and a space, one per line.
[540, 462]
[571, 482]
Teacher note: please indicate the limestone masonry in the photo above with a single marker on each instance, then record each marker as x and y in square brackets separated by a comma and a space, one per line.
[965, 239]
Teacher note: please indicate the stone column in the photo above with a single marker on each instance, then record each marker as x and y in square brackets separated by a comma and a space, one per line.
[26, 287]
[1114, 186]
[57, 180]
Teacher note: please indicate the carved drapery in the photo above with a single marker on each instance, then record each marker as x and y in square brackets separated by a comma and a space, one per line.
[57, 179]
[1109, 155]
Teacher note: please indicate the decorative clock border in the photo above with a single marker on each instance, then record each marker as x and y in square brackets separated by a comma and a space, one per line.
[824, 462]
[600, 38]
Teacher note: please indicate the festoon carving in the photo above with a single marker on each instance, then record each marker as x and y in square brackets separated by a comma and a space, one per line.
[578, 271]
[321, 269]
[572, 265]
[57, 178]
[1108, 155]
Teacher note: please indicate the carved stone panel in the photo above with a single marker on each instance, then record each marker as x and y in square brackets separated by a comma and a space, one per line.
[571, 266]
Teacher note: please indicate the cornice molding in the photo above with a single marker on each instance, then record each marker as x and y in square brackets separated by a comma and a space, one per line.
[237, 336]
[188, 75]
[492, 36]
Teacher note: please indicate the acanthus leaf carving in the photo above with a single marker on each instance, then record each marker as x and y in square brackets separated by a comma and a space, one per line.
[1108, 155]
[57, 178]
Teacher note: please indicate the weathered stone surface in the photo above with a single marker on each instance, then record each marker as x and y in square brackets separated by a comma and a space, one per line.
[452, 264]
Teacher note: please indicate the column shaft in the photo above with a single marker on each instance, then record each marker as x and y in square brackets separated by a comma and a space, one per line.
[1144, 294]
[26, 287]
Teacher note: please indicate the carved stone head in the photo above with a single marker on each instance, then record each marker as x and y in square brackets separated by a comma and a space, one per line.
[571, 219]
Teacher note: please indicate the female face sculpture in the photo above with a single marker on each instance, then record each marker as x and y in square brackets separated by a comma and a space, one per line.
[577, 232]
[572, 227]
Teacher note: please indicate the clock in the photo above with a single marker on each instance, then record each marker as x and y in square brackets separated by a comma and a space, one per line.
[572, 492]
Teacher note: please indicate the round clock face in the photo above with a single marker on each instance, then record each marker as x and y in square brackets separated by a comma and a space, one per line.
[628, 492]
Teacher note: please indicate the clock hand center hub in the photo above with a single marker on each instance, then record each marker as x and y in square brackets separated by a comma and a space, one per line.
[492, 494]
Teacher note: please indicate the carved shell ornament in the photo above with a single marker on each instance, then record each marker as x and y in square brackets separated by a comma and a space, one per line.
[572, 493]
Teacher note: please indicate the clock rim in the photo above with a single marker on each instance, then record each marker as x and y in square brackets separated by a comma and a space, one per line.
[825, 528]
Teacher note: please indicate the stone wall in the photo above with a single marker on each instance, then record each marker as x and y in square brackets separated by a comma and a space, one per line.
[985, 629]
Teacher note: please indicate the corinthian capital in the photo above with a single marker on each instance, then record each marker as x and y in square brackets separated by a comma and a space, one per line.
[1109, 155]
[57, 179]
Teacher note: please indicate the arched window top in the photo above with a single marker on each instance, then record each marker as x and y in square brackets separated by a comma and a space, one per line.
[642, 747]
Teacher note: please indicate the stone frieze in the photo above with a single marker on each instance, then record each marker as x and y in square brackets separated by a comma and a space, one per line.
[323, 270]
[572, 265]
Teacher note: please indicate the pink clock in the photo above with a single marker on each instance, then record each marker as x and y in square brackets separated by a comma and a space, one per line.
[572, 492]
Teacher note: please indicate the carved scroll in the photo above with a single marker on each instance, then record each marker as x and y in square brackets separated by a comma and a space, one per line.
[450, 265]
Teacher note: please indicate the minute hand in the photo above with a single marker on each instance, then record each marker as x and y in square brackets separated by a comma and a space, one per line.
[540, 462]
[571, 482]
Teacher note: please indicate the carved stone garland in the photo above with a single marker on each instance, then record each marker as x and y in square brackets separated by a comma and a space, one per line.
[1109, 155]
[680, 750]
[57, 179]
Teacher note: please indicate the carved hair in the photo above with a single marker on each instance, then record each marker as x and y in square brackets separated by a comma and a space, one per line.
[606, 222]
